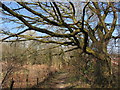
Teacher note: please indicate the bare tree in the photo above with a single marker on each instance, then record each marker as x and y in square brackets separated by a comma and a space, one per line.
[50, 18]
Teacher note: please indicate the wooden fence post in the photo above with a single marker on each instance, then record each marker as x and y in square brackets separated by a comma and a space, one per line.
[27, 81]
[37, 80]
[19, 81]
[12, 83]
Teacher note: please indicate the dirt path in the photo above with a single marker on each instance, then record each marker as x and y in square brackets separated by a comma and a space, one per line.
[56, 81]
[59, 81]
[62, 79]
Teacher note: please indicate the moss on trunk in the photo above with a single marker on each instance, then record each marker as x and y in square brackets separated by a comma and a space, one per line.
[102, 73]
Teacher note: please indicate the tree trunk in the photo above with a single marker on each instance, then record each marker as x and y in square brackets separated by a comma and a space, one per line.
[103, 72]
[102, 67]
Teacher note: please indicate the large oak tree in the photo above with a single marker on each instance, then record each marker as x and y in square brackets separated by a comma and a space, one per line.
[80, 25]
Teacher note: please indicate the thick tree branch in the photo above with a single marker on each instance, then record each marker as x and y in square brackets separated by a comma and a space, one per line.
[99, 16]
[15, 34]
[99, 27]
[33, 27]
[117, 37]
[82, 30]
[15, 14]
[58, 12]
[39, 14]
[73, 8]
[109, 34]
[40, 40]
[55, 12]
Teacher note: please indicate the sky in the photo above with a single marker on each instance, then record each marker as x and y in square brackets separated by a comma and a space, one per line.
[9, 25]
[25, 12]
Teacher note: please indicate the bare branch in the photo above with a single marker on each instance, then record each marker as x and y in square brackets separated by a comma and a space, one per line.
[39, 14]
[58, 11]
[82, 30]
[73, 8]
[15, 34]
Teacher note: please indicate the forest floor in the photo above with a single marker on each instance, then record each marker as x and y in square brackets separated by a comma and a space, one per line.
[62, 79]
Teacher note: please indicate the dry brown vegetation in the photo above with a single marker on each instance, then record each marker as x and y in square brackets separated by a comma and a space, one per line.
[27, 75]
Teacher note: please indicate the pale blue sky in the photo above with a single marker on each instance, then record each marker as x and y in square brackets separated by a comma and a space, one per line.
[10, 25]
